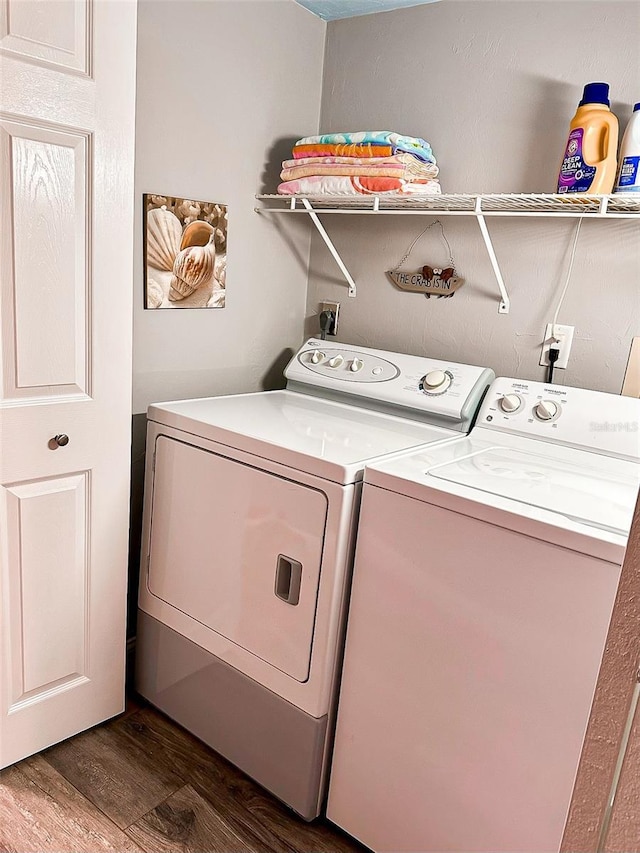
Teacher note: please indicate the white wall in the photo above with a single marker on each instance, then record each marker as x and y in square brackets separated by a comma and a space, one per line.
[493, 85]
[224, 87]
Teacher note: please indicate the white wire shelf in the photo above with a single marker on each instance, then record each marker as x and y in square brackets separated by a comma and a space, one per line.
[619, 206]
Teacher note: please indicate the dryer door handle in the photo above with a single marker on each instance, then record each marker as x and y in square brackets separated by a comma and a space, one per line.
[288, 579]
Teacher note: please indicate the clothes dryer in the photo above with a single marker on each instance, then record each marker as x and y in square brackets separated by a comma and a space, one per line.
[251, 507]
[484, 581]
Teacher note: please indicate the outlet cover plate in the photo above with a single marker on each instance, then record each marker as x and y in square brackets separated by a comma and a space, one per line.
[565, 337]
[335, 307]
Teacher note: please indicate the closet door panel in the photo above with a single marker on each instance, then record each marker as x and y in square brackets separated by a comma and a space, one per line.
[47, 533]
[46, 227]
[56, 33]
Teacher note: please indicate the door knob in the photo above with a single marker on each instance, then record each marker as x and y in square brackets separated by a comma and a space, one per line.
[60, 440]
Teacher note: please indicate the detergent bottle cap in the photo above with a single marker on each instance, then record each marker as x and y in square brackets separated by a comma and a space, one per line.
[595, 93]
[636, 107]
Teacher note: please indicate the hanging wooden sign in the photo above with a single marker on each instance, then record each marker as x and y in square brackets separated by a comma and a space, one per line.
[430, 281]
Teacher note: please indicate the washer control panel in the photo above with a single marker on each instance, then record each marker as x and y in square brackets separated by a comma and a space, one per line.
[572, 416]
[447, 390]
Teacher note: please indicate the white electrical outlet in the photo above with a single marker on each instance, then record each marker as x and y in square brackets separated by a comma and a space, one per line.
[564, 337]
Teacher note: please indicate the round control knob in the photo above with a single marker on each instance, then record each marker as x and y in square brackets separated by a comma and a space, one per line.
[336, 361]
[316, 356]
[436, 380]
[60, 440]
[546, 410]
[356, 365]
[510, 403]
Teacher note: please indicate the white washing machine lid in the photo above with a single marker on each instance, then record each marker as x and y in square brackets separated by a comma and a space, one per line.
[573, 489]
[320, 437]
[578, 492]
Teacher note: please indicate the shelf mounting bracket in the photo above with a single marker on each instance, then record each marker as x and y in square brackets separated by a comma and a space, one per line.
[330, 246]
[505, 302]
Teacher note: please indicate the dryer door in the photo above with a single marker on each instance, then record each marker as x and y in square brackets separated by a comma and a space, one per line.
[239, 550]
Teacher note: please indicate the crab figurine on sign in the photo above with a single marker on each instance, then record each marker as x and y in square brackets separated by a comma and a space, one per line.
[432, 281]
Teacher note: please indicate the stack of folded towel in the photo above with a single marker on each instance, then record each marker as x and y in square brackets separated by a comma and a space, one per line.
[369, 162]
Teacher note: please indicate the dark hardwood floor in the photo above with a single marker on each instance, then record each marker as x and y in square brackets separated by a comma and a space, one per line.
[141, 783]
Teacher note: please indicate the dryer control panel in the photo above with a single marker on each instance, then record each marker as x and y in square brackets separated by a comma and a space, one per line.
[348, 365]
[427, 389]
[576, 417]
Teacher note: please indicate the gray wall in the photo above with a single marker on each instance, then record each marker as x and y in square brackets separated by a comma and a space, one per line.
[223, 89]
[493, 86]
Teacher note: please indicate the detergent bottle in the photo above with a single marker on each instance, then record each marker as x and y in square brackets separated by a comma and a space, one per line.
[629, 172]
[589, 164]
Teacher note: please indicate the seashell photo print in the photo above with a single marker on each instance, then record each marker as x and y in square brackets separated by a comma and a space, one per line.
[185, 252]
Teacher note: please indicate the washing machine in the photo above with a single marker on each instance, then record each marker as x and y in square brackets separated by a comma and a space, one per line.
[251, 506]
[484, 581]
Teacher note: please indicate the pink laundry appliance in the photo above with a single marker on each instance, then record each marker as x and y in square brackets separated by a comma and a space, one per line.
[484, 581]
[251, 508]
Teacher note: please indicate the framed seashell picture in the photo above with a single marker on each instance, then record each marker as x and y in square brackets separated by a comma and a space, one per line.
[185, 246]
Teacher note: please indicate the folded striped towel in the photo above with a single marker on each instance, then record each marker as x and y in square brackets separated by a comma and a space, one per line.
[357, 185]
[397, 166]
[410, 144]
[340, 150]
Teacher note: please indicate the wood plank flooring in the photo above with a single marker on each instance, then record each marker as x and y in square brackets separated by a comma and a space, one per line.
[141, 784]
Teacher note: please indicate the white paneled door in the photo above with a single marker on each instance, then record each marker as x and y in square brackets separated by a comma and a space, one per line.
[67, 98]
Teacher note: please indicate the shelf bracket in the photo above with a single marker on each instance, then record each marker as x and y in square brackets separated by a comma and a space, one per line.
[505, 302]
[330, 246]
